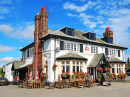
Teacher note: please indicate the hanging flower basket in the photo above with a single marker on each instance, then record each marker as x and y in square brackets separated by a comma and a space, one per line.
[54, 67]
[46, 66]
[107, 69]
[100, 69]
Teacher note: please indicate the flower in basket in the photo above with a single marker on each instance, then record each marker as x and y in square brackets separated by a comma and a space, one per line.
[125, 75]
[46, 66]
[65, 73]
[107, 69]
[43, 75]
[100, 69]
[54, 67]
[122, 75]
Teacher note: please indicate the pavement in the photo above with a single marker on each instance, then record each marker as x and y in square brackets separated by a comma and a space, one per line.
[117, 89]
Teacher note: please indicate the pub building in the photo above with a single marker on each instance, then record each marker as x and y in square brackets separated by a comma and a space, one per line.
[71, 50]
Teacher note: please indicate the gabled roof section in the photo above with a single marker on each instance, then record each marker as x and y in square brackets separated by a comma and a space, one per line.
[17, 64]
[32, 44]
[78, 36]
[28, 46]
[73, 56]
[115, 60]
[97, 58]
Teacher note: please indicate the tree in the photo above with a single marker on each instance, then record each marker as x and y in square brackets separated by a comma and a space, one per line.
[128, 64]
[1, 71]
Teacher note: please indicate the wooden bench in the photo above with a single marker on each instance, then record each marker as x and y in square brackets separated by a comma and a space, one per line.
[20, 83]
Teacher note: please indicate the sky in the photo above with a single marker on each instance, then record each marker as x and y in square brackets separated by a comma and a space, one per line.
[17, 21]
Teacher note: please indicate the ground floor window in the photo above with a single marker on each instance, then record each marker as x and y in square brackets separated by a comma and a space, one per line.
[77, 66]
[112, 68]
[116, 68]
[65, 65]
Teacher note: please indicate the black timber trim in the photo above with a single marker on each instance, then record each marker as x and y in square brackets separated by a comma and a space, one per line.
[116, 62]
[79, 40]
[71, 58]
[28, 46]
[103, 57]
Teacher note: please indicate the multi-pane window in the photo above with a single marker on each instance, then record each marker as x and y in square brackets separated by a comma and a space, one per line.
[94, 49]
[65, 45]
[109, 51]
[112, 68]
[119, 68]
[77, 66]
[65, 65]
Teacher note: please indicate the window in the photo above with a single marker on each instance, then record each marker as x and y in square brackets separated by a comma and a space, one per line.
[66, 45]
[119, 68]
[27, 53]
[118, 53]
[67, 68]
[94, 49]
[70, 32]
[61, 45]
[63, 68]
[81, 48]
[106, 51]
[71, 46]
[74, 47]
[92, 37]
[110, 40]
[77, 66]
[65, 65]
[113, 70]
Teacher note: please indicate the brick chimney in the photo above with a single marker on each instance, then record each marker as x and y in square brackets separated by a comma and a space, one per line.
[41, 29]
[108, 33]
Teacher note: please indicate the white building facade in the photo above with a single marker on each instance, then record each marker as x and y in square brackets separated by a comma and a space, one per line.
[74, 52]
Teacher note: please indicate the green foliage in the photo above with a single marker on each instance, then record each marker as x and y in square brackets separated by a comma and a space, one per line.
[1, 71]
[128, 64]
[99, 75]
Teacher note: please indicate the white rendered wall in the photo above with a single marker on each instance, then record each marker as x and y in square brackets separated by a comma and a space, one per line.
[9, 72]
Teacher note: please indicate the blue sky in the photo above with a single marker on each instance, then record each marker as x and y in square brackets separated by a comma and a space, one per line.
[17, 21]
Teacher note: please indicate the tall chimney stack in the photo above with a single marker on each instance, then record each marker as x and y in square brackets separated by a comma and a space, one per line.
[108, 33]
[41, 29]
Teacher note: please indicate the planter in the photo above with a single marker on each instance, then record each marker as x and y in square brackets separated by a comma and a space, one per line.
[65, 77]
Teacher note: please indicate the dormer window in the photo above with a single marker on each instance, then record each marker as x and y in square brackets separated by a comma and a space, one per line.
[108, 39]
[90, 35]
[68, 31]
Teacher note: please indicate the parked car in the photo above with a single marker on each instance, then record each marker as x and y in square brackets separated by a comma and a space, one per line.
[4, 81]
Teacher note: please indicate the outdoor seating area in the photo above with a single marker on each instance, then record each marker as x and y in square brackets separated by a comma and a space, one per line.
[59, 84]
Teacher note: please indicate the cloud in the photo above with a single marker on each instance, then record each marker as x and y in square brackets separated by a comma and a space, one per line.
[6, 2]
[72, 15]
[4, 10]
[2, 17]
[5, 48]
[72, 6]
[6, 60]
[110, 13]
[20, 33]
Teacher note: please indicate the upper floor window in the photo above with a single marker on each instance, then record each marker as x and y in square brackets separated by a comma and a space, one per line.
[94, 50]
[118, 53]
[71, 46]
[70, 32]
[27, 53]
[92, 37]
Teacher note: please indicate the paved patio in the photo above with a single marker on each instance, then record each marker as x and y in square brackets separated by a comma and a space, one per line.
[118, 89]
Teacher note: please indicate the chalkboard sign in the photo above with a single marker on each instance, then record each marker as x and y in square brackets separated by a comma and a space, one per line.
[106, 79]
